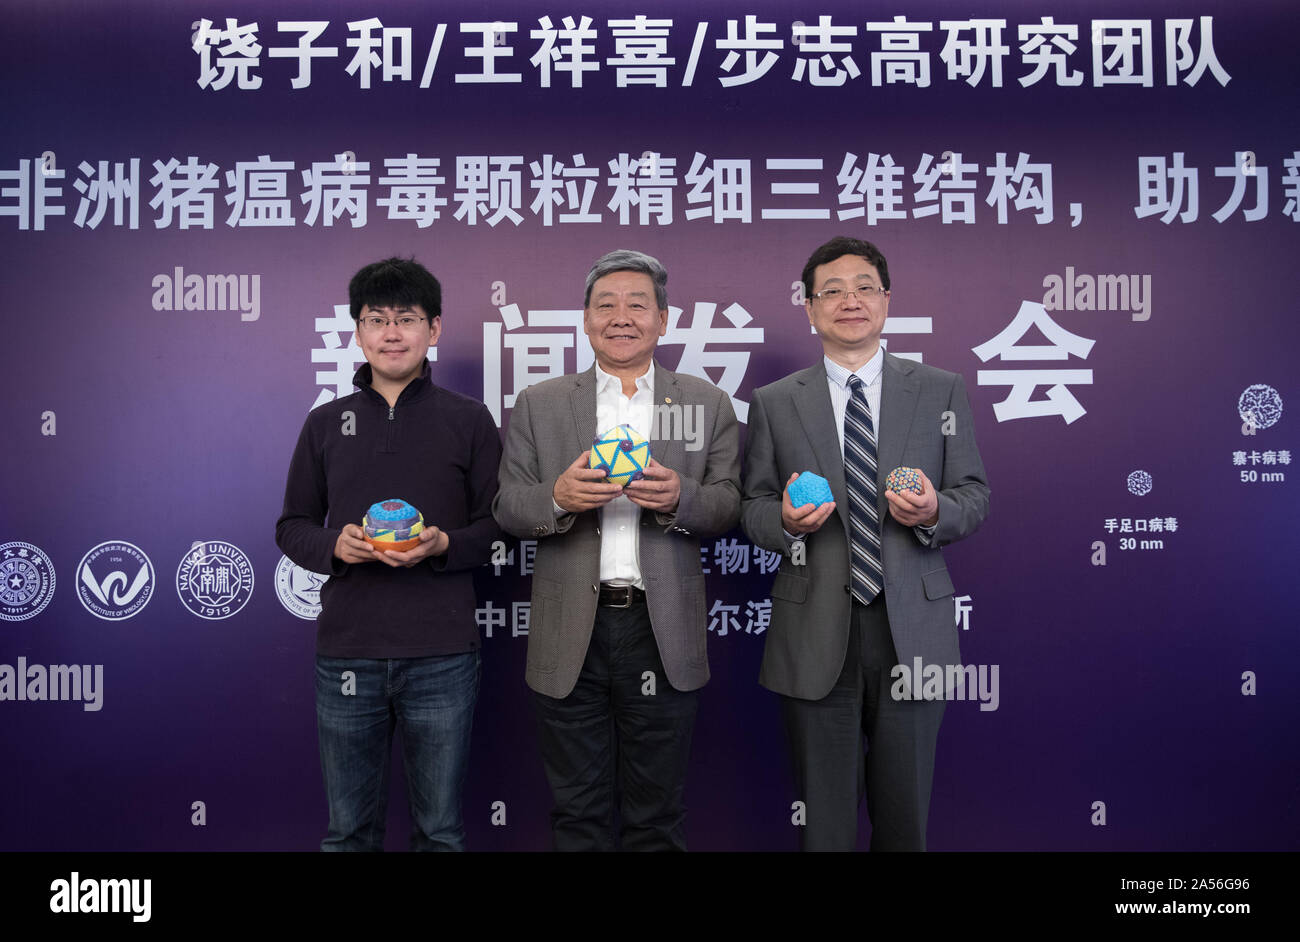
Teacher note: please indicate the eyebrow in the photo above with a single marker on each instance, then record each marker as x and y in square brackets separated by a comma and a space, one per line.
[858, 279]
[613, 294]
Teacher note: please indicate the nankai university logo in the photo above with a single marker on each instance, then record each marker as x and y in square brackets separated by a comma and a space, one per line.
[115, 580]
[298, 588]
[26, 581]
[215, 579]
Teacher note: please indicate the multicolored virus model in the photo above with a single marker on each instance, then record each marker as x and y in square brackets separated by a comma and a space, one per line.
[809, 488]
[393, 525]
[622, 453]
[904, 479]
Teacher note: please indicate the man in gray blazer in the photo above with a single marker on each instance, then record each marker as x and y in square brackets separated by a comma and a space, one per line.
[862, 586]
[618, 628]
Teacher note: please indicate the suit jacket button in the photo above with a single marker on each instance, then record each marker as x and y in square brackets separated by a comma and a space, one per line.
[847, 589]
[597, 531]
[596, 589]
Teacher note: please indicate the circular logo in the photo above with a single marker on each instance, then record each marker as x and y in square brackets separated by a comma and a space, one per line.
[1139, 483]
[1260, 405]
[298, 589]
[26, 581]
[214, 579]
[115, 580]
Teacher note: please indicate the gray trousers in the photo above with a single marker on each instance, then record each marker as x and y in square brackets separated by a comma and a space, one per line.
[832, 772]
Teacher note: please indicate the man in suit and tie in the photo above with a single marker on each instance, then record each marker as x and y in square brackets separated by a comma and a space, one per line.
[862, 585]
[618, 628]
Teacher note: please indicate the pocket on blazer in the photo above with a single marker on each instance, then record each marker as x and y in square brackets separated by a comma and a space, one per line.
[937, 584]
[789, 586]
[543, 636]
[697, 619]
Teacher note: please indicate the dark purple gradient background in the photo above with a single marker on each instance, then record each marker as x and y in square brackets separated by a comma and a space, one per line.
[1118, 684]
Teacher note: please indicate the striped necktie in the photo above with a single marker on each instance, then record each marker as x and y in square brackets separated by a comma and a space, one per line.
[866, 572]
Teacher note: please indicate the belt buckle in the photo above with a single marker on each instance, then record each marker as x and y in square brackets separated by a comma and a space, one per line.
[627, 595]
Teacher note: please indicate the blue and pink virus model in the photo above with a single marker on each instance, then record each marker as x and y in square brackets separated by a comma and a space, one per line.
[393, 525]
[904, 479]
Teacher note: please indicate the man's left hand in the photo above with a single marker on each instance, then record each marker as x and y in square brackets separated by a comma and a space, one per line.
[433, 542]
[915, 510]
[659, 490]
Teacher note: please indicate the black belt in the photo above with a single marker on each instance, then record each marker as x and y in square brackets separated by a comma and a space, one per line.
[620, 596]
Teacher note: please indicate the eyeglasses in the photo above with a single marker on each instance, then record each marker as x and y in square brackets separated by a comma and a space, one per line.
[864, 293]
[405, 322]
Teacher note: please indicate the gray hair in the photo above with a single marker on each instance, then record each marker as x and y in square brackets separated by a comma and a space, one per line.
[628, 260]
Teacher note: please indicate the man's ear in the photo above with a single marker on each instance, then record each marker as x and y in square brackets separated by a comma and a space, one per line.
[435, 330]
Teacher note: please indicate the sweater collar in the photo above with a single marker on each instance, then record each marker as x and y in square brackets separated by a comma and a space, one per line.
[415, 389]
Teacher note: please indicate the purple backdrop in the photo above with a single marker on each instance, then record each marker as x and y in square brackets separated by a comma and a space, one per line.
[1162, 683]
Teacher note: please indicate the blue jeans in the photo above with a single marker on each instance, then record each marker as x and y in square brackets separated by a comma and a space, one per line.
[433, 700]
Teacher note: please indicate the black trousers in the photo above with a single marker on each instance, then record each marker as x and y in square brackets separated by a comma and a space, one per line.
[618, 740]
[826, 739]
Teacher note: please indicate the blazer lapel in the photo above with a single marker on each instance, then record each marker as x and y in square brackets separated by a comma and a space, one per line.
[812, 401]
[583, 399]
[899, 394]
[669, 452]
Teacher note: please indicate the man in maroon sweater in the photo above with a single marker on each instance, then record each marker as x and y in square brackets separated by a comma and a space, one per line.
[396, 639]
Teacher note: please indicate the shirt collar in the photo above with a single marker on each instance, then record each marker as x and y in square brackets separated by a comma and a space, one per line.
[869, 372]
[644, 382]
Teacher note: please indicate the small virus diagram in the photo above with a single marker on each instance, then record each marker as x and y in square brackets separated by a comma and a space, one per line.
[1139, 483]
[1260, 405]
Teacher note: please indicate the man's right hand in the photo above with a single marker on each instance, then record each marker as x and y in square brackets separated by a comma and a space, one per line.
[351, 546]
[581, 487]
[806, 519]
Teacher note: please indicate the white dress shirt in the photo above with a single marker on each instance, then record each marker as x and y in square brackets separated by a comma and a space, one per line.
[837, 379]
[620, 561]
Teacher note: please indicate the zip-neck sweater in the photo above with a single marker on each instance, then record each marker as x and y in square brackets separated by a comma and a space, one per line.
[435, 449]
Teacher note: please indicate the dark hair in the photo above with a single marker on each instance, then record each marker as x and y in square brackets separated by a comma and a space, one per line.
[840, 246]
[629, 260]
[395, 282]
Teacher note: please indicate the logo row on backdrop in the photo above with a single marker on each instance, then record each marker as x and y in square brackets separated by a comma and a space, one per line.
[116, 580]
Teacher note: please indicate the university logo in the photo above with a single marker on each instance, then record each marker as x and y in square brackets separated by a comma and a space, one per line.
[214, 579]
[298, 589]
[26, 581]
[115, 580]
